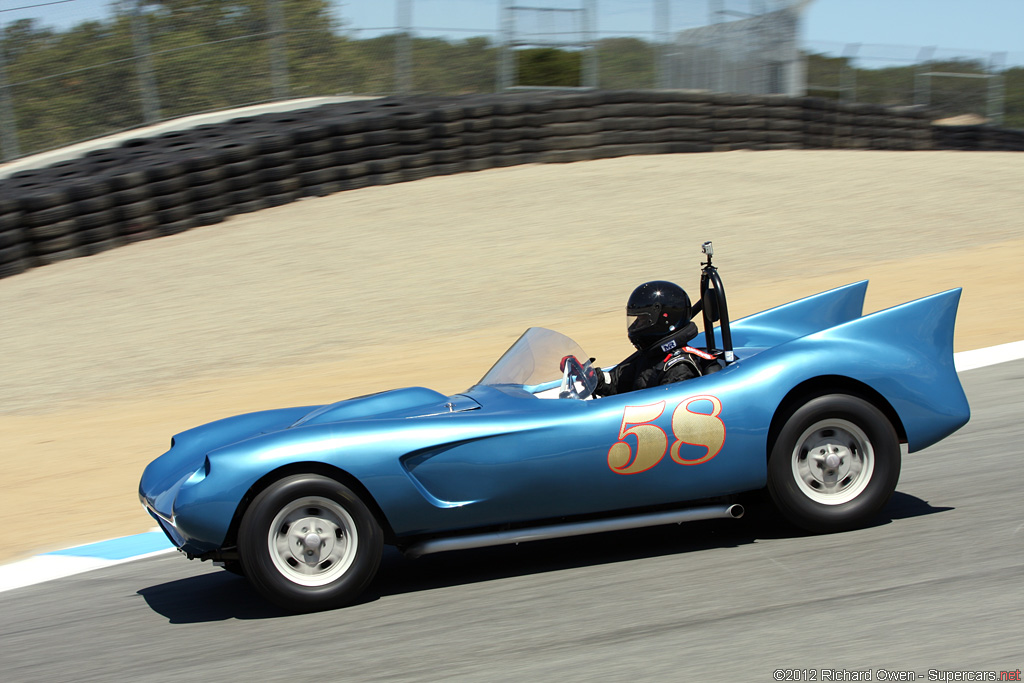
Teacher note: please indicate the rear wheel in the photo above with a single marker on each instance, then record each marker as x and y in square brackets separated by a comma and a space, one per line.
[308, 542]
[834, 464]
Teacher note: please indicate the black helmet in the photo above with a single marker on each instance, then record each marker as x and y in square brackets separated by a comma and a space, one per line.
[655, 310]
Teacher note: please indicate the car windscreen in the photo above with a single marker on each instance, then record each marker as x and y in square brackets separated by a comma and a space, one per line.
[535, 358]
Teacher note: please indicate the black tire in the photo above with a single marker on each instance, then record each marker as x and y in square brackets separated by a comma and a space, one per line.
[241, 167]
[282, 198]
[10, 221]
[126, 177]
[104, 245]
[87, 221]
[249, 206]
[275, 173]
[57, 256]
[167, 229]
[141, 208]
[167, 201]
[9, 238]
[12, 268]
[142, 224]
[321, 190]
[308, 164]
[382, 166]
[206, 176]
[174, 214]
[55, 244]
[207, 205]
[93, 204]
[822, 493]
[319, 176]
[141, 236]
[100, 234]
[277, 187]
[275, 159]
[333, 512]
[131, 195]
[315, 148]
[210, 217]
[214, 189]
[44, 232]
[249, 194]
[15, 252]
[51, 215]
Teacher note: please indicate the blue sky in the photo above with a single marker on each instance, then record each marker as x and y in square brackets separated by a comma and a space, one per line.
[967, 25]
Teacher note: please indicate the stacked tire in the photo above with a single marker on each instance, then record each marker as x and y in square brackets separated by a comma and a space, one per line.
[978, 137]
[14, 250]
[170, 183]
[48, 205]
[833, 125]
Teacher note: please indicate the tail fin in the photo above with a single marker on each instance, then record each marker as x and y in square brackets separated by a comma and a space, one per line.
[799, 318]
[906, 354]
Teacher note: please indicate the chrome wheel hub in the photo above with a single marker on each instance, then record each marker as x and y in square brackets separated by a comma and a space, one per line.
[312, 541]
[833, 462]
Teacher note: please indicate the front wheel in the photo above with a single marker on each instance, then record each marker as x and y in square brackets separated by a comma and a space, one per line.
[308, 542]
[834, 464]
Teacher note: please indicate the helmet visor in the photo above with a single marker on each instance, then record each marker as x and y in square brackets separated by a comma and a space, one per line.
[639, 321]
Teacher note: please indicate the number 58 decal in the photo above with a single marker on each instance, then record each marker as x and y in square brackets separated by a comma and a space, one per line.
[688, 427]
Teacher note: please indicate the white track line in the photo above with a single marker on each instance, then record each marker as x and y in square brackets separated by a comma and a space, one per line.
[980, 358]
[43, 568]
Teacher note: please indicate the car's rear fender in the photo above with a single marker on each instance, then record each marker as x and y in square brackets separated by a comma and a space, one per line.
[903, 354]
[825, 385]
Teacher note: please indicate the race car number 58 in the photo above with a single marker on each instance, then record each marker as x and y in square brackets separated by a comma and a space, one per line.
[689, 427]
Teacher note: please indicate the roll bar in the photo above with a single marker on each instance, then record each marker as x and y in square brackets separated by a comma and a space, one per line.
[713, 305]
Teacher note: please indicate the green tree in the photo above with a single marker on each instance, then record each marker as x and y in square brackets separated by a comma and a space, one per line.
[549, 66]
[626, 63]
[1013, 104]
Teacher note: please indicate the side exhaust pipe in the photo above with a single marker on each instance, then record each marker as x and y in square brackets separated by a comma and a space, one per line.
[540, 533]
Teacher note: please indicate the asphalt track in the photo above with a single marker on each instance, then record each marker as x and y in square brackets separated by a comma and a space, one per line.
[936, 584]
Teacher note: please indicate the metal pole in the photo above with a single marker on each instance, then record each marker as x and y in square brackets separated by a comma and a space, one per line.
[8, 127]
[715, 11]
[996, 89]
[506, 58]
[144, 65]
[922, 82]
[590, 61]
[662, 24]
[278, 57]
[848, 74]
[403, 52]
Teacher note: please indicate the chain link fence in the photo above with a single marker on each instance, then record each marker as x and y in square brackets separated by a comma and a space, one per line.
[76, 69]
[968, 84]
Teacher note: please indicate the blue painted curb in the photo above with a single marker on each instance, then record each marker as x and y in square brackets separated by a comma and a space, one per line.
[120, 548]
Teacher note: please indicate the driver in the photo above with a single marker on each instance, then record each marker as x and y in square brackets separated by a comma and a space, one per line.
[659, 326]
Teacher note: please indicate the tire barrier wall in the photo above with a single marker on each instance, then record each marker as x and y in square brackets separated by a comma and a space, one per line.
[169, 183]
[978, 138]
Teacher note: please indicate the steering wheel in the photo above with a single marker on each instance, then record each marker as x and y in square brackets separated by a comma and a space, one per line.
[571, 367]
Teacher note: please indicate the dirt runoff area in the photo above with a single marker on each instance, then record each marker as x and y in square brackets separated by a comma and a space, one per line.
[426, 283]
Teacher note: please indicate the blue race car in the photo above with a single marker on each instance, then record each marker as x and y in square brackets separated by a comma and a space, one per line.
[812, 400]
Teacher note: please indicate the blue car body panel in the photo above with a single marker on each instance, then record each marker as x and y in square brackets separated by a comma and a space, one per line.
[499, 454]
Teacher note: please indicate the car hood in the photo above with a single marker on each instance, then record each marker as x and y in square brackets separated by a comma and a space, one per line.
[408, 402]
[187, 459]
